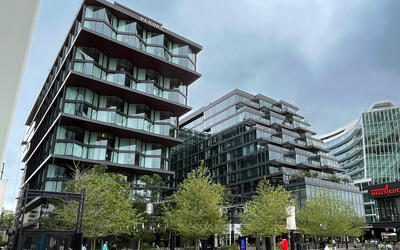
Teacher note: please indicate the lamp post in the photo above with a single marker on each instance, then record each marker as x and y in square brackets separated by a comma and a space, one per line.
[345, 236]
[149, 208]
[232, 226]
[323, 227]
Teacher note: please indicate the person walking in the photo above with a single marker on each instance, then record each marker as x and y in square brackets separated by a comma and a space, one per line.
[84, 247]
[105, 246]
[284, 244]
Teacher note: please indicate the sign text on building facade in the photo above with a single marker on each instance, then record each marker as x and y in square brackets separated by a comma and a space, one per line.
[152, 23]
[387, 190]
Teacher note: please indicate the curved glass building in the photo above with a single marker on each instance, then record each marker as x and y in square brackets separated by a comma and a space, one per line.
[368, 150]
[346, 144]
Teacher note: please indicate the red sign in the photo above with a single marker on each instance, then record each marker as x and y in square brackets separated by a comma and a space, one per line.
[384, 191]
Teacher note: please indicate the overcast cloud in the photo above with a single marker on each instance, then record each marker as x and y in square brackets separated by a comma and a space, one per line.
[332, 59]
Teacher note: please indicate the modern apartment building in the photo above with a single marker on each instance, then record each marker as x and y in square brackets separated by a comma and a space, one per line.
[368, 150]
[243, 137]
[113, 96]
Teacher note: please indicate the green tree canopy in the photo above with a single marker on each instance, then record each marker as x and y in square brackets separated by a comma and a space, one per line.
[154, 180]
[266, 212]
[108, 207]
[6, 221]
[151, 224]
[200, 207]
[327, 215]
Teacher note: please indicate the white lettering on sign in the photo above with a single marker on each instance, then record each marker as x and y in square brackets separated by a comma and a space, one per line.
[154, 24]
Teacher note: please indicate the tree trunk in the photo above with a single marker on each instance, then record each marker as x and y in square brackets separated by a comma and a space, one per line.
[273, 240]
[169, 239]
[138, 246]
[94, 244]
[197, 244]
[257, 243]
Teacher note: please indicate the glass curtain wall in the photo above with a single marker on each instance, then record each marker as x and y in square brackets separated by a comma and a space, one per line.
[382, 144]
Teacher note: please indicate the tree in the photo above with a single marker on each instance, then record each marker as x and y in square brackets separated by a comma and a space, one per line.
[199, 210]
[327, 215]
[152, 224]
[266, 212]
[6, 221]
[354, 224]
[108, 207]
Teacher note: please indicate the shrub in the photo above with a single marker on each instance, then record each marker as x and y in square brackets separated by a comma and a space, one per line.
[234, 247]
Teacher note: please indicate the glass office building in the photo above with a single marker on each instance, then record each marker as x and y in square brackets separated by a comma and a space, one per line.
[368, 150]
[243, 137]
[113, 96]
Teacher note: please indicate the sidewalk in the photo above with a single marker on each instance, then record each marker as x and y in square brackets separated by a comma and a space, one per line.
[340, 248]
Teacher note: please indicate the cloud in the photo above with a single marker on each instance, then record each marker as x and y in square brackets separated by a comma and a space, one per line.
[332, 59]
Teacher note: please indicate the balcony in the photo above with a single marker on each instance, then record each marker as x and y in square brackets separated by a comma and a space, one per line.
[112, 165]
[103, 87]
[300, 127]
[314, 145]
[122, 131]
[118, 49]
[284, 162]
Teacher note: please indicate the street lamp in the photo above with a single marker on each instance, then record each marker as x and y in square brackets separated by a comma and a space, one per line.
[149, 208]
[323, 227]
[345, 236]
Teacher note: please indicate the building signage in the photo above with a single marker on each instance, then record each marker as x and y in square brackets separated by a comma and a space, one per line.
[152, 23]
[291, 220]
[389, 189]
[242, 243]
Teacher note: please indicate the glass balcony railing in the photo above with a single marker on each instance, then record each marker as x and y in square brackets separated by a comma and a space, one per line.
[351, 161]
[303, 143]
[268, 137]
[133, 40]
[289, 160]
[276, 108]
[124, 79]
[314, 163]
[346, 154]
[107, 154]
[297, 124]
[288, 109]
[115, 117]
[343, 137]
[312, 143]
[347, 144]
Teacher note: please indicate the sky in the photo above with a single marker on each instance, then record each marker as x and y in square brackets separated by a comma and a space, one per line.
[333, 58]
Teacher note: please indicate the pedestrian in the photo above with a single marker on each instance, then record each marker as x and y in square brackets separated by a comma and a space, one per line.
[333, 243]
[84, 247]
[105, 246]
[114, 247]
[284, 244]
